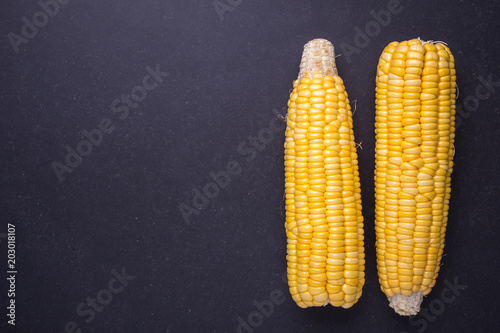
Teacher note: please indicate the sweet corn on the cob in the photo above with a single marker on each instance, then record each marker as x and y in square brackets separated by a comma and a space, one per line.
[324, 225]
[415, 131]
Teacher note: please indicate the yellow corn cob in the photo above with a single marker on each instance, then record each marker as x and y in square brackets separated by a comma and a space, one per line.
[324, 225]
[415, 131]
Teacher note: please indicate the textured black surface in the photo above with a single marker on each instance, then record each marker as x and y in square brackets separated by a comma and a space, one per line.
[119, 208]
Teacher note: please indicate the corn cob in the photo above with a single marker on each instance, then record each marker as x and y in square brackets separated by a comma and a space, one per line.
[415, 131]
[324, 225]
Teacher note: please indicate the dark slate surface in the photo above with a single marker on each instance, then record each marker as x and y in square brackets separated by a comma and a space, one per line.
[223, 80]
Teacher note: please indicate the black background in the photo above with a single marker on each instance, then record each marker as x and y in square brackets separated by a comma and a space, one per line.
[120, 207]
